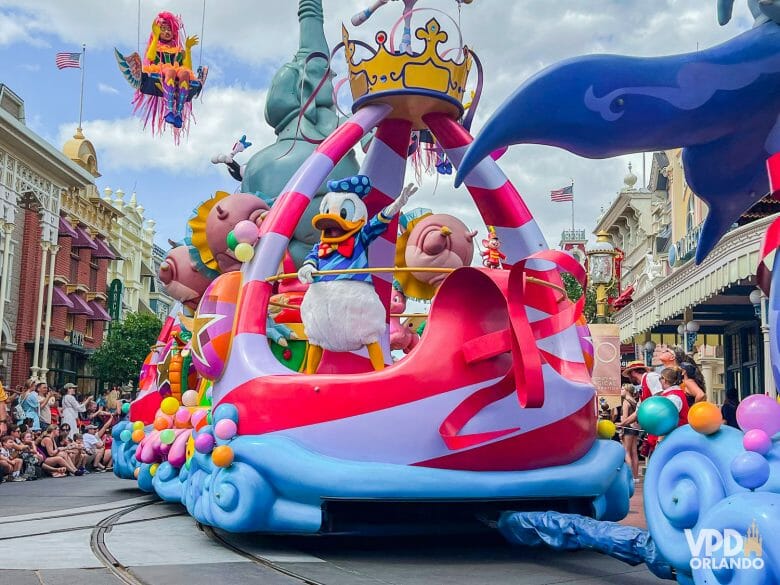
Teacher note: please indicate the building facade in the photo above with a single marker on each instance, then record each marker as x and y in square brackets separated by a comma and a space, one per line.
[706, 309]
[138, 258]
[54, 253]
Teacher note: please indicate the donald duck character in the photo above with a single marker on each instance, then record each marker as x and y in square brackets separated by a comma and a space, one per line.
[342, 312]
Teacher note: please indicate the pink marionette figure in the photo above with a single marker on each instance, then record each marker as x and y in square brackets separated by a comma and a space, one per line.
[402, 336]
[492, 256]
[167, 56]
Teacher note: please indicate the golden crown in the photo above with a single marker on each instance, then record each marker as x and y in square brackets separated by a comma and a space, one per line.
[395, 74]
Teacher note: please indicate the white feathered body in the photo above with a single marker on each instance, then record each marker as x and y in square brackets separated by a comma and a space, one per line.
[342, 315]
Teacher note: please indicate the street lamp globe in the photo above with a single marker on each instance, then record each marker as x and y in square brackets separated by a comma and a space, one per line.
[650, 346]
[692, 326]
[601, 259]
[755, 297]
[680, 329]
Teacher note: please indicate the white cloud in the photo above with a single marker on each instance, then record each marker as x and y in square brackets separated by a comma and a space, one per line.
[105, 88]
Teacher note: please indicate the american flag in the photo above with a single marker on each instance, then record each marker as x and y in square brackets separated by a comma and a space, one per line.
[563, 195]
[64, 60]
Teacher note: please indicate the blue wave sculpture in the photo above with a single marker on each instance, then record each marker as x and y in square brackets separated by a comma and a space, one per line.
[721, 105]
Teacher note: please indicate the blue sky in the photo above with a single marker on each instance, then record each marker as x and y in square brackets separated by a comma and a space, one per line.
[245, 41]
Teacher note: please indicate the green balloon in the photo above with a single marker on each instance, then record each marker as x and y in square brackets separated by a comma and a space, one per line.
[167, 436]
[658, 415]
[208, 418]
[125, 408]
[232, 242]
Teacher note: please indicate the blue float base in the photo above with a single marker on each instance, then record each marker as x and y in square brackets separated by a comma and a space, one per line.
[275, 485]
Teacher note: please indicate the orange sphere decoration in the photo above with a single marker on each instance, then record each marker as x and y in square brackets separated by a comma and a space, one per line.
[222, 456]
[136, 472]
[138, 436]
[705, 418]
[161, 424]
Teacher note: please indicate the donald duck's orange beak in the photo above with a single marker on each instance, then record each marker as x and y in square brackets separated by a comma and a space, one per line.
[335, 229]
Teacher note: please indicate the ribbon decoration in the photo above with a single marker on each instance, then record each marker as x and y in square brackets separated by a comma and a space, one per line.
[768, 247]
[526, 377]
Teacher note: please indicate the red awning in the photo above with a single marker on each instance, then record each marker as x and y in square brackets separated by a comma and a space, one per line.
[624, 298]
[98, 312]
[80, 306]
[60, 299]
[83, 240]
[66, 230]
[102, 250]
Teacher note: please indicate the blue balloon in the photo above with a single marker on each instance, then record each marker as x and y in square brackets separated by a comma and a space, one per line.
[658, 415]
[750, 470]
[125, 436]
[225, 411]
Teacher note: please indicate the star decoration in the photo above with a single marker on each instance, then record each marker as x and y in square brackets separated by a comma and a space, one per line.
[200, 334]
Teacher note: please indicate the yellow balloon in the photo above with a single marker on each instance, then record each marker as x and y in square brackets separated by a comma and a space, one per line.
[606, 429]
[244, 252]
[153, 469]
[705, 418]
[169, 405]
[138, 425]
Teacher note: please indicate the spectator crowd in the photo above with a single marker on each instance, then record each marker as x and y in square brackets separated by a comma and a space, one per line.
[49, 432]
[677, 378]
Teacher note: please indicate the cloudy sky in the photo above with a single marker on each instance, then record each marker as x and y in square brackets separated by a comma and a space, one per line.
[245, 41]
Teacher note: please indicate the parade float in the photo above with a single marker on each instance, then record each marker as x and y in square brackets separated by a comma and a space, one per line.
[487, 411]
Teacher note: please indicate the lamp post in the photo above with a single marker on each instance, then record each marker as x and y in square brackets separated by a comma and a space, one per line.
[601, 271]
[758, 300]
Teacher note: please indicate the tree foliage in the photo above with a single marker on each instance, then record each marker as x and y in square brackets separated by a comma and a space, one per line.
[574, 292]
[119, 359]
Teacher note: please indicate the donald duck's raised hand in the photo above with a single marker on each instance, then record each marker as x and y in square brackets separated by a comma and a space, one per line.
[395, 207]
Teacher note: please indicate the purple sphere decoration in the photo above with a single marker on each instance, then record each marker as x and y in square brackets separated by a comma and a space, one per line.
[246, 232]
[204, 443]
[750, 470]
[225, 429]
[757, 441]
[759, 411]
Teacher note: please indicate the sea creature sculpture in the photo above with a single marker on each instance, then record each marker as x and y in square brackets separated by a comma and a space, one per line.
[300, 118]
[719, 104]
[431, 240]
[182, 279]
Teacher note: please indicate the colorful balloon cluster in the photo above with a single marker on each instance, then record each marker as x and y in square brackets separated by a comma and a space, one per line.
[214, 437]
[242, 239]
[759, 416]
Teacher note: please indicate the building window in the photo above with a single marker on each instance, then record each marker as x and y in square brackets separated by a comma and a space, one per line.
[11, 251]
[93, 275]
[74, 267]
[90, 328]
[69, 323]
[690, 221]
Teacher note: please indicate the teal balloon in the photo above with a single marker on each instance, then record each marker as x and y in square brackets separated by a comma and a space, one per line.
[658, 415]
[125, 408]
[232, 241]
[167, 436]
[125, 436]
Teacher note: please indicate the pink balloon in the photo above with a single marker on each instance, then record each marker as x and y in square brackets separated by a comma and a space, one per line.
[225, 429]
[246, 232]
[757, 441]
[164, 448]
[761, 412]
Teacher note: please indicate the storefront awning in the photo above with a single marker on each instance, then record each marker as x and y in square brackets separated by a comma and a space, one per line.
[98, 312]
[83, 240]
[733, 260]
[66, 230]
[60, 299]
[102, 250]
[80, 306]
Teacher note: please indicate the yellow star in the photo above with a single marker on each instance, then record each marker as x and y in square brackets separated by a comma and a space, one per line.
[200, 326]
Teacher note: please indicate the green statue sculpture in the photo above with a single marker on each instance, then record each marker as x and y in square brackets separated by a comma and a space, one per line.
[267, 172]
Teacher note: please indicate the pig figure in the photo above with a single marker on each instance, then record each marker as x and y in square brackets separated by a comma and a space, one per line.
[181, 279]
[401, 336]
[223, 217]
[438, 241]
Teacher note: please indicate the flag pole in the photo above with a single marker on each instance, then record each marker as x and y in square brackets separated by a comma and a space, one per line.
[572, 207]
[83, 67]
